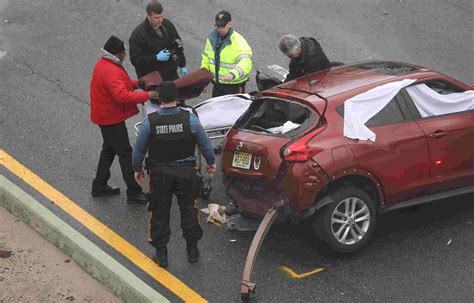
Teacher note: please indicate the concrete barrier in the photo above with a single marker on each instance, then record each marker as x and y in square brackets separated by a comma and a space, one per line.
[111, 274]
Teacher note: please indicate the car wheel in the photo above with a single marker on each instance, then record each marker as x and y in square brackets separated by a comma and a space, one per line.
[347, 223]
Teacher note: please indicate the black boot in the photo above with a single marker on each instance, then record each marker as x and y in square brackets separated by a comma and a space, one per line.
[161, 256]
[137, 198]
[193, 253]
[104, 191]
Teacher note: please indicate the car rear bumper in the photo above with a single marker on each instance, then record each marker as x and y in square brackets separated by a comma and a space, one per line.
[297, 188]
[253, 198]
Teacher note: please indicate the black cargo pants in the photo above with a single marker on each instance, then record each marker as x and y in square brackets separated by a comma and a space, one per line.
[227, 89]
[115, 143]
[181, 180]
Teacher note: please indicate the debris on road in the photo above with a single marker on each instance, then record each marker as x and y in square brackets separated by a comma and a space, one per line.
[246, 286]
[5, 254]
[239, 223]
[291, 273]
[216, 214]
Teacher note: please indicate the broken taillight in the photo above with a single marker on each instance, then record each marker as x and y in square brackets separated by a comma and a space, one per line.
[299, 151]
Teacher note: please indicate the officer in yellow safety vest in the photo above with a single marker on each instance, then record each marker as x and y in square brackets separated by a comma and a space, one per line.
[227, 56]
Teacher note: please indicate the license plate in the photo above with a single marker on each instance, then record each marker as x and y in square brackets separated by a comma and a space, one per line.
[242, 160]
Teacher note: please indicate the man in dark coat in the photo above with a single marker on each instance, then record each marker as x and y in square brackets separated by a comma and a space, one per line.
[155, 45]
[306, 56]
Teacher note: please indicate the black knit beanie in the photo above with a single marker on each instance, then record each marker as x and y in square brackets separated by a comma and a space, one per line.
[167, 92]
[114, 45]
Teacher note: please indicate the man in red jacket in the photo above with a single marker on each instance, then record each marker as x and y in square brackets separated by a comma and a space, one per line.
[113, 100]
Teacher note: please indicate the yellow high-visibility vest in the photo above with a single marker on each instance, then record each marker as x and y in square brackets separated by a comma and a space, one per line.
[235, 57]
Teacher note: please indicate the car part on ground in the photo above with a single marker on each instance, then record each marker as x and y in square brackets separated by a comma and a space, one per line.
[247, 287]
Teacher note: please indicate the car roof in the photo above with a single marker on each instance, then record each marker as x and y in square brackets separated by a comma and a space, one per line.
[350, 77]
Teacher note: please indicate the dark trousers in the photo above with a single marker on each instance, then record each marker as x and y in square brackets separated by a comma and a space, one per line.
[227, 89]
[116, 142]
[182, 181]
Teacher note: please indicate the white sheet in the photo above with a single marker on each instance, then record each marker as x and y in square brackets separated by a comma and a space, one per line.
[216, 112]
[430, 103]
[360, 108]
[151, 107]
[222, 111]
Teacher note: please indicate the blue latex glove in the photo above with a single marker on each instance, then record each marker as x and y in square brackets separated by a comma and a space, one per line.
[183, 71]
[164, 55]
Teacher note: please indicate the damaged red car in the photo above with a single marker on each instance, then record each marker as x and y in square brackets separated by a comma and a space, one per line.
[290, 146]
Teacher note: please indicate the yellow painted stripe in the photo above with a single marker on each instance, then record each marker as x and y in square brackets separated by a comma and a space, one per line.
[294, 275]
[102, 231]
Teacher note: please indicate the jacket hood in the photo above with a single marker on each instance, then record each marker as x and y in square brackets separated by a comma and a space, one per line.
[106, 55]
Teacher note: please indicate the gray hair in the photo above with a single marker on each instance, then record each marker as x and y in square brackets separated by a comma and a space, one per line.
[289, 44]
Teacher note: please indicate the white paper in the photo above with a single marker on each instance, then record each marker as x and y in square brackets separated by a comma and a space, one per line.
[283, 129]
[289, 126]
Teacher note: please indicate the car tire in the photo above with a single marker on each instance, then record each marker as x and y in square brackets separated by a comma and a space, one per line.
[346, 224]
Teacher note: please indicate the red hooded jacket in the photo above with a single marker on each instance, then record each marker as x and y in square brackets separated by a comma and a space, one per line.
[113, 99]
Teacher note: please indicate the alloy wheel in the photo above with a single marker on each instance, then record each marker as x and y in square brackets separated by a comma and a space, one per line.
[350, 220]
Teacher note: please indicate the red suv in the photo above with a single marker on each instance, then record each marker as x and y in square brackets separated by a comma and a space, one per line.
[342, 184]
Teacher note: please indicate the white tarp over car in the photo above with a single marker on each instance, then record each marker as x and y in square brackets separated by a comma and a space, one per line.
[430, 103]
[359, 109]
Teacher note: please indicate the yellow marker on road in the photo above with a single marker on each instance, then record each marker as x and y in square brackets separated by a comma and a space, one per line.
[101, 230]
[294, 275]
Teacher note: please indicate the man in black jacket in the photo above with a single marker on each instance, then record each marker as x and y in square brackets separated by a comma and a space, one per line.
[155, 45]
[306, 56]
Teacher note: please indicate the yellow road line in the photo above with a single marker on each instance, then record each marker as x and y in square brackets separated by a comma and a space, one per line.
[102, 231]
[294, 275]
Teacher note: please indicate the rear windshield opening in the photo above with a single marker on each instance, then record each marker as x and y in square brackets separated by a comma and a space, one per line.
[387, 68]
[276, 116]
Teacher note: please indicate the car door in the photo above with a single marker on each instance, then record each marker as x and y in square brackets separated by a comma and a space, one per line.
[399, 156]
[450, 140]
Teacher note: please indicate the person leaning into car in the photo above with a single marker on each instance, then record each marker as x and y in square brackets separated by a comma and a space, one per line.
[227, 56]
[112, 101]
[172, 170]
[155, 45]
[306, 56]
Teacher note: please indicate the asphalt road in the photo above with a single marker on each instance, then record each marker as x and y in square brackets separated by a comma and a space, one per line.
[48, 50]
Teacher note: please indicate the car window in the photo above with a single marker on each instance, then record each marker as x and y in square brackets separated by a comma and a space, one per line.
[433, 109]
[390, 114]
[443, 87]
[266, 114]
